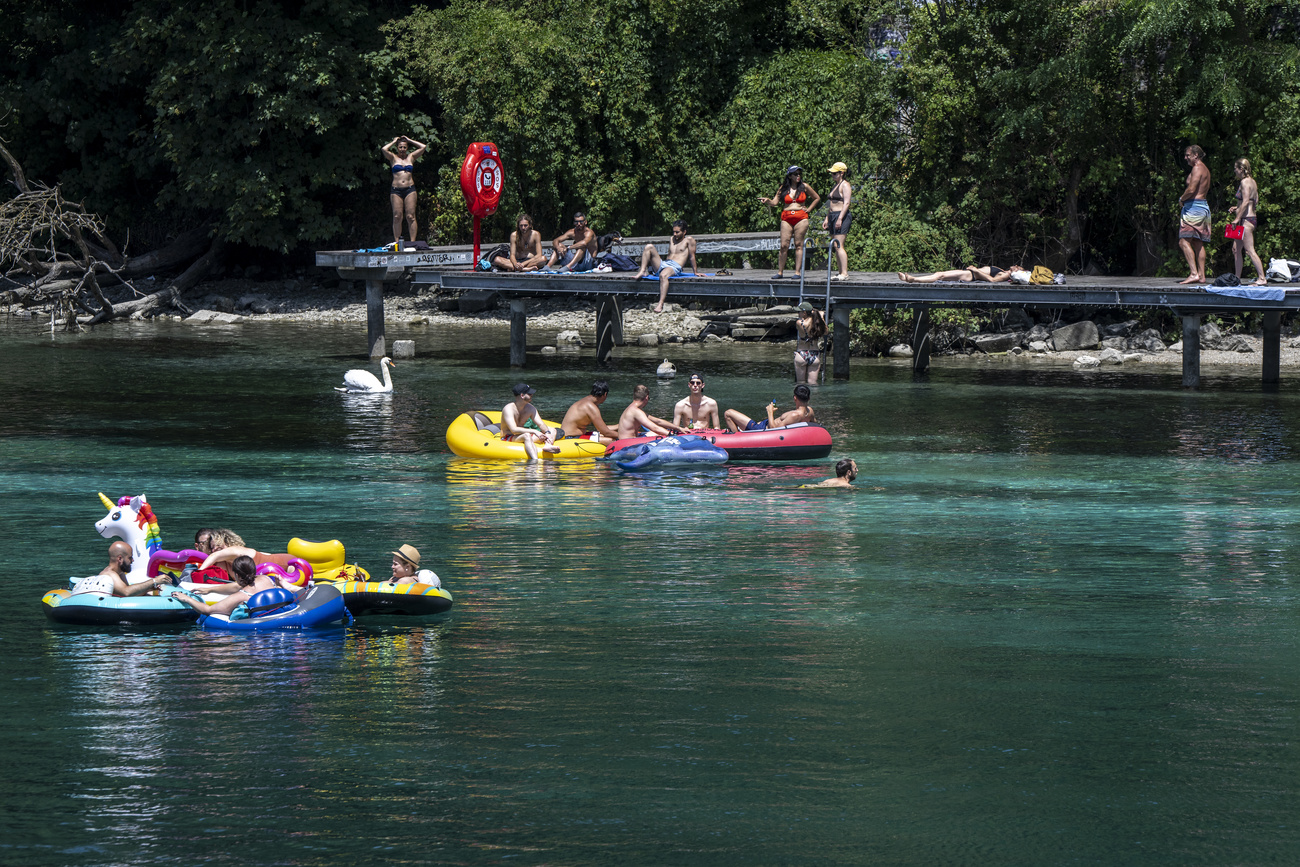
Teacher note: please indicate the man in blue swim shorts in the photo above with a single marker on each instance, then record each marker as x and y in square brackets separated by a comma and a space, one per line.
[578, 255]
[1195, 221]
[737, 421]
[681, 249]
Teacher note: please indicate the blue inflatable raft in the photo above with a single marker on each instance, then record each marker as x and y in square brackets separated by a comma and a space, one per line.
[277, 608]
[102, 609]
[679, 450]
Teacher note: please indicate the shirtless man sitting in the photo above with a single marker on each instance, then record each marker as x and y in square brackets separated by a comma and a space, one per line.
[584, 418]
[635, 419]
[580, 253]
[525, 248]
[681, 249]
[521, 422]
[697, 410]
[802, 412]
[112, 580]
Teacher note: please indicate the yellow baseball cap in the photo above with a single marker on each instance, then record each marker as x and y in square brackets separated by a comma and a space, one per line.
[839, 167]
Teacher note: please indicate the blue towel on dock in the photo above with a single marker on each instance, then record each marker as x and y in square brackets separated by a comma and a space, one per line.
[655, 277]
[1255, 293]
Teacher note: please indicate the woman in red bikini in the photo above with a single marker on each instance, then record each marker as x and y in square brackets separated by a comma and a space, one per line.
[792, 199]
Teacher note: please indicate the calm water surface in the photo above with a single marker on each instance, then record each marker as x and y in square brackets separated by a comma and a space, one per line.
[1056, 623]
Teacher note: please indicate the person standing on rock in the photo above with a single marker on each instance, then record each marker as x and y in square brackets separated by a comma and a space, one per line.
[681, 249]
[1195, 220]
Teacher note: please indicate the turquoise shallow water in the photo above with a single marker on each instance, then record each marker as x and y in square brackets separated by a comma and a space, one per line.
[1055, 625]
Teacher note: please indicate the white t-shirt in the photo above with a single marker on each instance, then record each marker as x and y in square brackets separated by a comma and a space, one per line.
[100, 583]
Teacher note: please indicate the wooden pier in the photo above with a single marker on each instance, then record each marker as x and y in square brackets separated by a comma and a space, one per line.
[838, 298]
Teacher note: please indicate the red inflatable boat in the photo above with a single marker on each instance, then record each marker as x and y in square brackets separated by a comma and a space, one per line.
[798, 442]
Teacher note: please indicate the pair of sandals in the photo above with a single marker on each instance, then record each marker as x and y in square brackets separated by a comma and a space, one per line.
[782, 276]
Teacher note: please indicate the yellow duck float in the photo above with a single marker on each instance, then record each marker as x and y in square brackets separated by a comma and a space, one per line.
[477, 434]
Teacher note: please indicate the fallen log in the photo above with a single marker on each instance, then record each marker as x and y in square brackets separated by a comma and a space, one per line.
[184, 249]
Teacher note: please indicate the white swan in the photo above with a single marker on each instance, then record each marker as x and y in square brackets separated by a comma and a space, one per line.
[366, 382]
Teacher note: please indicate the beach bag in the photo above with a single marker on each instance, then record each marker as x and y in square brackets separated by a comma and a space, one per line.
[1041, 275]
[619, 262]
[1019, 276]
[1234, 231]
[1283, 271]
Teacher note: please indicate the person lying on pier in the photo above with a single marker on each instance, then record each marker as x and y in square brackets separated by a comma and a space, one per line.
[681, 249]
[975, 273]
[579, 254]
[737, 421]
[636, 422]
[697, 410]
[525, 248]
[247, 584]
[112, 580]
[583, 418]
[522, 423]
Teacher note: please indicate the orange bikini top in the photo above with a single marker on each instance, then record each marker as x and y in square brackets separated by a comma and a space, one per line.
[791, 198]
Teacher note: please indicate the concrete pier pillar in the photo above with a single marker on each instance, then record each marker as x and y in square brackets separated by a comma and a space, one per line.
[609, 328]
[920, 339]
[1272, 347]
[518, 332]
[375, 316]
[840, 341]
[1192, 350]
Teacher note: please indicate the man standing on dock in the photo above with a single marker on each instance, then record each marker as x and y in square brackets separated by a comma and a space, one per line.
[1195, 220]
[580, 254]
[697, 410]
[681, 249]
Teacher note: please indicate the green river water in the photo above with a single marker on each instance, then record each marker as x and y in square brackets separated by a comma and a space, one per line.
[1055, 624]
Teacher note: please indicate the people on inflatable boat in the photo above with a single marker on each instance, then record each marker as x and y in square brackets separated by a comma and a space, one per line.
[406, 568]
[522, 423]
[696, 410]
[737, 421]
[226, 545]
[845, 472]
[584, 419]
[112, 580]
[247, 583]
[636, 422]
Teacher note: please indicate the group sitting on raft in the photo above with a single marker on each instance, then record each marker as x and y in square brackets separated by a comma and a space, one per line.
[522, 423]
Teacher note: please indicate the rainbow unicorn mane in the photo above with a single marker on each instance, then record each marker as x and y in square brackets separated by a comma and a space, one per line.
[147, 522]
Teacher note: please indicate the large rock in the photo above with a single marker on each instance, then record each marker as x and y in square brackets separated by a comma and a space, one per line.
[403, 349]
[254, 304]
[570, 336]
[1236, 343]
[648, 340]
[1211, 336]
[900, 350]
[995, 342]
[1038, 346]
[1118, 343]
[1119, 329]
[1147, 341]
[749, 333]
[1080, 335]
[478, 300]
[1038, 332]
[1110, 356]
[691, 326]
[1087, 362]
[202, 316]
[1016, 319]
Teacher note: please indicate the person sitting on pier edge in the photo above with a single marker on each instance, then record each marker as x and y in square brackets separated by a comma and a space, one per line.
[112, 580]
[1195, 219]
[525, 252]
[578, 255]
[792, 199]
[636, 422]
[697, 410]
[583, 418]
[402, 195]
[737, 421]
[522, 423]
[845, 472]
[681, 249]
[977, 273]
[810, 328]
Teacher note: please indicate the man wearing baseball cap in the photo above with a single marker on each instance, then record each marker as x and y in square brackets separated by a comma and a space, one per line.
[522, 423]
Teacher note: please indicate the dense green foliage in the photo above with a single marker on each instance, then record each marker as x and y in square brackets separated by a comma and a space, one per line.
[980, 130]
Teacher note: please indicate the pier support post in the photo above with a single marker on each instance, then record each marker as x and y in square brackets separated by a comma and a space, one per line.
[375, 316]
[1192, 350]
[840, 341]
[1272, 347]
[518, 332]
[609, 328]
[920, 339]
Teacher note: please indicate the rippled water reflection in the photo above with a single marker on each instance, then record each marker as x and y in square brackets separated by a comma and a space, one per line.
[1056, 623]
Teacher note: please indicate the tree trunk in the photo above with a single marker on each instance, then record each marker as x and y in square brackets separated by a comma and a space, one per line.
[183, 249]
[1061, 251]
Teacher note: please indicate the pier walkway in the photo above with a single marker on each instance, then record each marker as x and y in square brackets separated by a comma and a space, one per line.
[838, 298]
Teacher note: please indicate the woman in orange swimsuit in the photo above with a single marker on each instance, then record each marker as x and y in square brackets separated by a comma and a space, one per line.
[792, 199]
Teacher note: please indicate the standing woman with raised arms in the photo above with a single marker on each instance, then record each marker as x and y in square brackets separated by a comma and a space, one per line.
[792, 199]
[1245, 215]
[402, 165]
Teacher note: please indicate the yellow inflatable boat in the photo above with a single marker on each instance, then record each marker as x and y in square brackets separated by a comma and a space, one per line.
[478, 435]
[327, 561]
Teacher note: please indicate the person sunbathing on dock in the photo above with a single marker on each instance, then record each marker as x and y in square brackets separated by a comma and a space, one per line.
[681, 249]
[697, 410]
[525, 248]
[737, 421]
[522, 423]
[112, 580]
[584, 419]
[636, 422]
[975, 273]
[578, 255]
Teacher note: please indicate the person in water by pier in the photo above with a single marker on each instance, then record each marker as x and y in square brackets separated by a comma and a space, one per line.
[697, 410]
[1195, 219]
[737, 421]
[402, 194]
[583, 418]
[681, 249]
[522, 423]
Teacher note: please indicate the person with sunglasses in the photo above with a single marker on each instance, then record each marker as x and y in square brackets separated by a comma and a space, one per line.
[697, 410]
[579, 254]
[793, 199]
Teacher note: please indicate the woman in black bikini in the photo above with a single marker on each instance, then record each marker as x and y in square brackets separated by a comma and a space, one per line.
[811, 328]
[980, 273]
[1246, 215]
[402, 165]
[838, 218]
